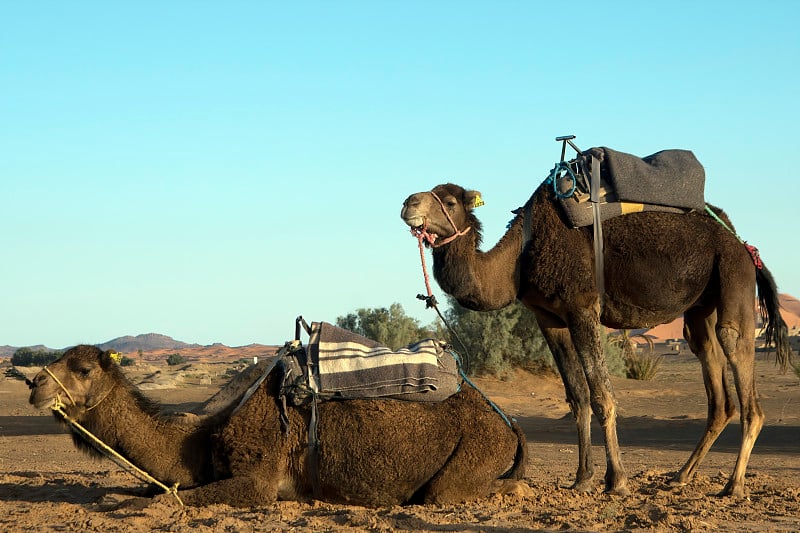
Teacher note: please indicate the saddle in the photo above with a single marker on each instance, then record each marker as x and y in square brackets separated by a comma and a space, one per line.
[338, 364]
[601, 183]
[670, 181]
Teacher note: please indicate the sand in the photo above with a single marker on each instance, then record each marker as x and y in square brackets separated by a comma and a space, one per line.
[48, 485]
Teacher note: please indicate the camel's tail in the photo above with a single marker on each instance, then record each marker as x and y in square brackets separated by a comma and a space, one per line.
[521, 458]
[775, 330]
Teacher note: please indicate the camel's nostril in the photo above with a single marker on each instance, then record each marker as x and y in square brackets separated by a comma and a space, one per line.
[412, 201]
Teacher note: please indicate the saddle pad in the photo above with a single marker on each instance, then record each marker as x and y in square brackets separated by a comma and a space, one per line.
[348, 365]
[578, 208]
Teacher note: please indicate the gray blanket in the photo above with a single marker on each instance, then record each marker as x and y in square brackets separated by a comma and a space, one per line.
[672, 178]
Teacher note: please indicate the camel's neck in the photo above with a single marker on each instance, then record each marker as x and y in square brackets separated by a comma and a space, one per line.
[481, 281]
[169, 451]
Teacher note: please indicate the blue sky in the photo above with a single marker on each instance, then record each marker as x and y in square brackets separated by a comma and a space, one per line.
[211, 170]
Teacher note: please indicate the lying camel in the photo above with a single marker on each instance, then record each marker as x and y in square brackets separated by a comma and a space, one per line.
[371, 452]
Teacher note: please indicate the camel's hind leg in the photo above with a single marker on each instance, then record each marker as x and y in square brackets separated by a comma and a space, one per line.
[699, 331]
[473, 470]
[736, 335]
[733, 334]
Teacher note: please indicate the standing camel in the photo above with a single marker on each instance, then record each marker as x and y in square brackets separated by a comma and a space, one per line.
[657, 267]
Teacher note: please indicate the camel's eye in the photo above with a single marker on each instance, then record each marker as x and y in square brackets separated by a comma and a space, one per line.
[84, 372]
[451, 203]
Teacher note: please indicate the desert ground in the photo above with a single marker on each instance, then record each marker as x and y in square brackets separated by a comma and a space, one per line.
[47, 485]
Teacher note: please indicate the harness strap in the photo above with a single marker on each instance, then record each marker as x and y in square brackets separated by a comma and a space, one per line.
[594, 198]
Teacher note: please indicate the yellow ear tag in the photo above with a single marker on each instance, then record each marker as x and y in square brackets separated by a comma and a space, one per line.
[478, 201]
[116, 357]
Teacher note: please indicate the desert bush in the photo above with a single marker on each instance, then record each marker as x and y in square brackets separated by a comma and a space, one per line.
[643, 367]
[127, 361]
[615, 358]
[175, 359]
[495, 342]
[390, 327]
[29, 357]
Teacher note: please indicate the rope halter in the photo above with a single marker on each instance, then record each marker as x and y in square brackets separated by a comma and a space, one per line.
[57, 401]
[423, 234]
[99, 445]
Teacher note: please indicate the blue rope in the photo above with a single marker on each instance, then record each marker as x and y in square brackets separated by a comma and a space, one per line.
[553, 179]
[471, 384]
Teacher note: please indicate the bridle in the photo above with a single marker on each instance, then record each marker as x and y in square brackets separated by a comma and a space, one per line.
[422, 233]
[101, 446]
[57, 400]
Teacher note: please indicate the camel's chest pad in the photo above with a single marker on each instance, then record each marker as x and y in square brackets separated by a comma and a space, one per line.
[341, 365]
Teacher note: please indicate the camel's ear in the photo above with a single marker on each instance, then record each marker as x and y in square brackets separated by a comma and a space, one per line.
[106, 359]
[472, 199]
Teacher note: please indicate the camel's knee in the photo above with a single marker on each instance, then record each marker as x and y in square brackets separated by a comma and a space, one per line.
[604, 408]
[729, 339]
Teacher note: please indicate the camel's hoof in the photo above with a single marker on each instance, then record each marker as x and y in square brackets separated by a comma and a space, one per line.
[679, 479]
[583, 486]
[733, 491]
[622, 491]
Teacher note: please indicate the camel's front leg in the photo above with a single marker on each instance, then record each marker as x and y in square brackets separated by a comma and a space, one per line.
[240, 491]
[585, 330]
[577, 390]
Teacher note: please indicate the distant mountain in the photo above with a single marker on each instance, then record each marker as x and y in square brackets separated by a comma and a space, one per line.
[8, 351]
[146, 342]
[127, 344]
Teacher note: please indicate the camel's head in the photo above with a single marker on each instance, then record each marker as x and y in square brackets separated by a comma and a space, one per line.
[81, 378]
[445, 211]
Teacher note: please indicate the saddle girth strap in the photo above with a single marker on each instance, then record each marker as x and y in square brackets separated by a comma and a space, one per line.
[594, 198]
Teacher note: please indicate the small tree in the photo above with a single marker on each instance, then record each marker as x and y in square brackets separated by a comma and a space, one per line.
[30, 357]
[175, 359]
[390, 327]
[497, 341]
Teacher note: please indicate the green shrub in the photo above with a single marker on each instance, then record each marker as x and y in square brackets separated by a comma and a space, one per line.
[29, 357]
[175, 359]
[615, 358]
[643, 367]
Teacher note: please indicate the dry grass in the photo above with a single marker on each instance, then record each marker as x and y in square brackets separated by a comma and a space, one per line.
[643, 367]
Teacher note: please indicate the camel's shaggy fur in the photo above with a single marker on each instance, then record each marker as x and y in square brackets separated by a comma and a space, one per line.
[658, 266]
[371, 452]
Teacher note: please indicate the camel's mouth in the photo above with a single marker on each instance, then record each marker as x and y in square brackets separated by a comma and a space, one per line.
[415, 222]
[40, 402]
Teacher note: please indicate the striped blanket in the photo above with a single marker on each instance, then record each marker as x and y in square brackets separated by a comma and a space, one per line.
[347, 365]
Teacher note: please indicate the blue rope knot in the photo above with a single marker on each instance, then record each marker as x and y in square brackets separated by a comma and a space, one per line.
[555, 177]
